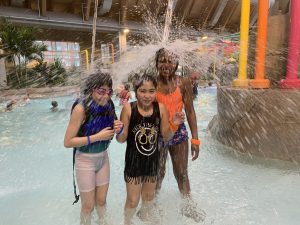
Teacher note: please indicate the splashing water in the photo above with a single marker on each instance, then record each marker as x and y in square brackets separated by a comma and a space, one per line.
[168, 22]
[94, 35]
[203, 56]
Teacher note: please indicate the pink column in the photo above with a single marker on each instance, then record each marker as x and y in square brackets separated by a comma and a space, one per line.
[291, 80]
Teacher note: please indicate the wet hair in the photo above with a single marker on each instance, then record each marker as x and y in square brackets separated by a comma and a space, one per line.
[9, 105]
[96, 80]
[127, 87]
[165, 51]
[54, 103]
[144, 78]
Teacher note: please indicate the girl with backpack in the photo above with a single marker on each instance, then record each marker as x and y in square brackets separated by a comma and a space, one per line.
[92, 125]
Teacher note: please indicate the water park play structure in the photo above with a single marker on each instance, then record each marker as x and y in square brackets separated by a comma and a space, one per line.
[252, 117]
[292, 80]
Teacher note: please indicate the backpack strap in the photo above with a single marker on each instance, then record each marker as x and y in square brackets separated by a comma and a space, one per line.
[74, 183]
[74, 153]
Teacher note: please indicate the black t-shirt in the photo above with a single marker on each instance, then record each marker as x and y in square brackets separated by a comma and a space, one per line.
[142, 156]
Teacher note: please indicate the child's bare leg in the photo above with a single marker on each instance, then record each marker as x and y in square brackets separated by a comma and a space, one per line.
[128, 215]
[87, 206]
[179, 156]
[132, 201]
[85, 219]
[101, 193]
[162, 166]
[146, 211]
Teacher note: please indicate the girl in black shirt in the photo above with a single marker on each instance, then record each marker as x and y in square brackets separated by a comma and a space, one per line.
[144, 120]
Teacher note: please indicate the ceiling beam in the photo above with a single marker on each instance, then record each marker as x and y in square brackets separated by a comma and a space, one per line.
[210, 12]
[218, 12]
[87, 10]
[187, 9]
[236, 7]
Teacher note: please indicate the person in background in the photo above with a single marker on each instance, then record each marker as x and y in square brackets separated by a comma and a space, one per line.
[54, 107]
[125, 95]
[143, 121]
[175, 92]
[26, 98]
[10, 105]
[92, 125]
[195, 88]
[194, 81]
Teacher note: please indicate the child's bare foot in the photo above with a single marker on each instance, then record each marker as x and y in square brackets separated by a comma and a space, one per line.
[190, 210]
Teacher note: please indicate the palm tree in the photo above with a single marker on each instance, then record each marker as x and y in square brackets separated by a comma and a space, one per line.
[20, 43]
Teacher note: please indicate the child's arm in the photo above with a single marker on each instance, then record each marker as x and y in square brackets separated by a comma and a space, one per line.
[125, 119]
[168, 128]
[190, 114]
[77, 117]
[129, 95]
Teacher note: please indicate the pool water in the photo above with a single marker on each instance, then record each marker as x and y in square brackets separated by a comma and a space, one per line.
[36, 175]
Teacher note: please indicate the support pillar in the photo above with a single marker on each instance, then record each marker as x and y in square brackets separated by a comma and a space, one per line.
[123, 13]
[261, 41]
[2, 74]
[292, 80]
[87, 10]
[242, 80]
[122, 42]
[44, 7]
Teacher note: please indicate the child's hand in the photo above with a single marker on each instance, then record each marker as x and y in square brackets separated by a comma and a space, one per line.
[118, 126]
[178, 118]
[105, 134]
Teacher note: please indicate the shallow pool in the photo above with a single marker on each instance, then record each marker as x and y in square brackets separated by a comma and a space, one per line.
[36, 175]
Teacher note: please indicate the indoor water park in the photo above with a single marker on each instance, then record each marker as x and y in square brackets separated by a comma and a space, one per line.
[220, 80]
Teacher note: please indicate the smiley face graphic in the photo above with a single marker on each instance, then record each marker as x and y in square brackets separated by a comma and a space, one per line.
[145, 140]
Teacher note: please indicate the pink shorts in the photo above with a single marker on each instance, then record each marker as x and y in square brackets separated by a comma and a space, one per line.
[92, 170]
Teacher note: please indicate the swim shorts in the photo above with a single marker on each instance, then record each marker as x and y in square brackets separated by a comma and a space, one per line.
[180, 136]
[92, 170]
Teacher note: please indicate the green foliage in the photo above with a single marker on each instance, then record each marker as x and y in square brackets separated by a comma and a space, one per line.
[42, 75]
[20, 44]
[56, 74]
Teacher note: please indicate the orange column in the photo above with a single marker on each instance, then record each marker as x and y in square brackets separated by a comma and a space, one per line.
[261, 41]
[112, 53]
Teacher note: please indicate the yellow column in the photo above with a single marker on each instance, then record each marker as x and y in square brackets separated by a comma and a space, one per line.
[87, 59]
[242, 80]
